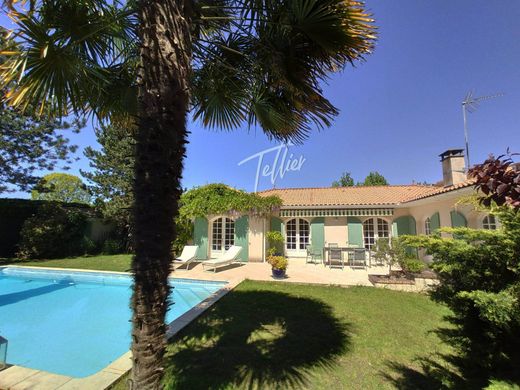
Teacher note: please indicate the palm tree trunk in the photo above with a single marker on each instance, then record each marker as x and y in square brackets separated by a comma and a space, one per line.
[161, 138]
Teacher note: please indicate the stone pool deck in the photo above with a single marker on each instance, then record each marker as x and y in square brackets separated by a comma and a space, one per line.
[21, 378]
[298, 272]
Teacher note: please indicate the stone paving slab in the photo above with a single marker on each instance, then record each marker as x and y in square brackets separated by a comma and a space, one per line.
[13, 375]
[42, 381]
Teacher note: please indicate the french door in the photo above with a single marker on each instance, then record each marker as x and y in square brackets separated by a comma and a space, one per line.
[297, 237]
[374, 229]
[222, 236]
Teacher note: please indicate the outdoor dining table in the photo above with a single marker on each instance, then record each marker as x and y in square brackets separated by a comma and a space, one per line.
[348, 249]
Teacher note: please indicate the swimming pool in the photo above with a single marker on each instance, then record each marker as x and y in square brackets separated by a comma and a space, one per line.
[76, 323]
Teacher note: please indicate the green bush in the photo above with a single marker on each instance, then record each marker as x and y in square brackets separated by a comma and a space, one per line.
[275, 240]
[277, 262]
[479, 273]
[390, 251]
[411, 264]
[184, 229]
[112, 247]
[54, 231]
[88, 246]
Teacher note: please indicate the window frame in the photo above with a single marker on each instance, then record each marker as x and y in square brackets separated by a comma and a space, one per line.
[487, 224]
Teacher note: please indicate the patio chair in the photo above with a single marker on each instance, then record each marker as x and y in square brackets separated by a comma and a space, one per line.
[358, 258]
[187, 256]
[313, 254]
[229, 257]
[336, 255]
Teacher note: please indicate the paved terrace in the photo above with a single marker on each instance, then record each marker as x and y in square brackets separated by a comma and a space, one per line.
[298, 271]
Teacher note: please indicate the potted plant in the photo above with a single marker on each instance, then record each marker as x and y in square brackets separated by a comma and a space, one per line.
[278, 265]
[275, 255]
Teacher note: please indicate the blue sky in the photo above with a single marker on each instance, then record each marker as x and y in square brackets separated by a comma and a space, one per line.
[399, 109]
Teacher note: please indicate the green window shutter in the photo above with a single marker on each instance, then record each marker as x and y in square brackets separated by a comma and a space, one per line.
[318, 234]
[200, 237]
[276, 225]
[457, 219]
[355, 232]
[404, 226]
[242, 236]
[435, 222]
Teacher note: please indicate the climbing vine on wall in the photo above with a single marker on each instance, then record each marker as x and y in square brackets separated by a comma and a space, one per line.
[222, 199]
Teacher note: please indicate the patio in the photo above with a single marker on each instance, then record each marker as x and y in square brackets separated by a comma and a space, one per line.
[298, 271]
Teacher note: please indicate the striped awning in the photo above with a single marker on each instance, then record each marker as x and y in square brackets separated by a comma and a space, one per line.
[337, 212]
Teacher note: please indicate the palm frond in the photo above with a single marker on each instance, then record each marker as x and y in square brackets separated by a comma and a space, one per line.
[288, 48]
[63, 55]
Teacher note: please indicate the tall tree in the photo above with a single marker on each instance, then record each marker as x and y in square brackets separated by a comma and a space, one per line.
[235, 61]
[30, 143]
[375, 179]
[345, 180]
[112, 174]
[61, 187]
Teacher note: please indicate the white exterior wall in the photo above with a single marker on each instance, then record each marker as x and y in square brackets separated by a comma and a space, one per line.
[256, 239]
[443, 204]
[335, 230]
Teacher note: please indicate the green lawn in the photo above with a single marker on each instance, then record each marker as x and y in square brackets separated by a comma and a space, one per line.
[119, 263]
[267, 335]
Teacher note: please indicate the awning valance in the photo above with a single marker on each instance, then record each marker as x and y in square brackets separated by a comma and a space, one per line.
[377, 212]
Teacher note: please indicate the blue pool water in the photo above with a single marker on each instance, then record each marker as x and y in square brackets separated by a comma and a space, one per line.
[75, 323]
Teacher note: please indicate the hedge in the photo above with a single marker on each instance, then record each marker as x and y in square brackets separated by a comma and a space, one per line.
[14, 212]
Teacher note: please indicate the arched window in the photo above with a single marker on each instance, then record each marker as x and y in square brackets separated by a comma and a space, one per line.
[222, 235]
[489, 222]
[297, 233]
[428, 226]
[374, 229]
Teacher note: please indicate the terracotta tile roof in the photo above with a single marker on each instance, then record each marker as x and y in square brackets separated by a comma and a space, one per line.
[357, 196]
[442, 190]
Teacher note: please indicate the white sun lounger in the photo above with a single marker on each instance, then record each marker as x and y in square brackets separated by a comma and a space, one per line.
[187, 256]
[230, 256]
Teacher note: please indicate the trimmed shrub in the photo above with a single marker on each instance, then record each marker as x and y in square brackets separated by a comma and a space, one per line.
[13, 214]
[54, 231]
[411, 264]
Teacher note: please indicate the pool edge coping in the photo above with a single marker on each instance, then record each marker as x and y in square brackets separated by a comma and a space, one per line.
[107, 376]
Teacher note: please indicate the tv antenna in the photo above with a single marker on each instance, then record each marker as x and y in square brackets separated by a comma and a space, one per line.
[470, 104]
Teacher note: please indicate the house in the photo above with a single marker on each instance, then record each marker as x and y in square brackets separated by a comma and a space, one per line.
[347, 216]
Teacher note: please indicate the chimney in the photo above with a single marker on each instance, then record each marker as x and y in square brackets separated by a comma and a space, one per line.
[453, 167]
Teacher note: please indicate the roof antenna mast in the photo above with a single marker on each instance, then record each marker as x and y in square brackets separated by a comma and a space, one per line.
[470, 104]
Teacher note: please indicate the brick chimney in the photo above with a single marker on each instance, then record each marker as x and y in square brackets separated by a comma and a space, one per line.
[453, 167]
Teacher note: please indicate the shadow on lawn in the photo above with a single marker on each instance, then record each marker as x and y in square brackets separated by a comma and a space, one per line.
[446, 371]
[256, 339]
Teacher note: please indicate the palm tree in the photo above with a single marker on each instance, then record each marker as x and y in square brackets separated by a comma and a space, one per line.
[232, 62]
